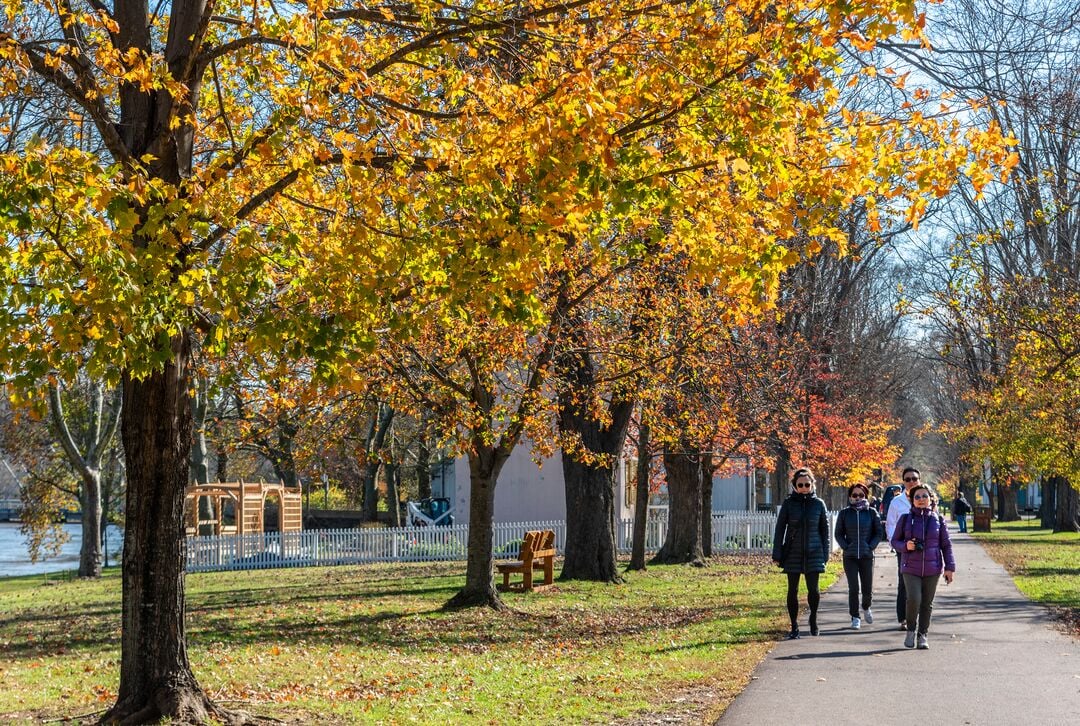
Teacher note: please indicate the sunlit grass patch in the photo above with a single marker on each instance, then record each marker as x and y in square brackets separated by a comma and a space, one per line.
[371, 643]
[1045, 565]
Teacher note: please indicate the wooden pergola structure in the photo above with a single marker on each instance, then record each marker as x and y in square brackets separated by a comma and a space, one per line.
[249, 503]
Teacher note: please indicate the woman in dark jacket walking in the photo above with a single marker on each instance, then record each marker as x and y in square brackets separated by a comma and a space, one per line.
[922, 539]
[858, 532]
[801, 545]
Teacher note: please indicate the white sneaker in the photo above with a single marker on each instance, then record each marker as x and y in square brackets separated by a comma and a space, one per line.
[869, 615]
[856, 623]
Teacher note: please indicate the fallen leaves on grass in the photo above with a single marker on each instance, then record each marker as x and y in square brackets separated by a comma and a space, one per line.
[389, 686]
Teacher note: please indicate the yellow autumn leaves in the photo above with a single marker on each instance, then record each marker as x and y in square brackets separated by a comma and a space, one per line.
[347, 163]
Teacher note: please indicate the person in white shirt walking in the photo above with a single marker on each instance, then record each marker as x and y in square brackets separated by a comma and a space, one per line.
[898, 507]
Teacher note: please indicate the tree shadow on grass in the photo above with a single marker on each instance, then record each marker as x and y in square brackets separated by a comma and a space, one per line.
[434, 629]
[295, 594]
[1051, 571]
[357, 611]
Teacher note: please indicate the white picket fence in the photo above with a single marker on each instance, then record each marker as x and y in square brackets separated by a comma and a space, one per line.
[732, 532]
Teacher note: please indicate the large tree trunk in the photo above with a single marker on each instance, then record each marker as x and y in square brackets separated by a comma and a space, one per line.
[1067, 514]
[591, 543]
[969, 488]
[683, 541]
[641, 501]
[590, 522]
[1008, 507]
[90, 549]
[479, 590]
[156, 680]
[706, 503]
[1048, 509]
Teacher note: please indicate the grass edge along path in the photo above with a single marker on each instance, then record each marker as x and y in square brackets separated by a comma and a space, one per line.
[367, 644]
[1044, 565]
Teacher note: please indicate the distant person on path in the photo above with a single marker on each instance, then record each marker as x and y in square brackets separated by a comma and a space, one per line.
[961, 509]
[922, 539]
[898, 507]
[801, 545]
[886, 498]
[858, 532]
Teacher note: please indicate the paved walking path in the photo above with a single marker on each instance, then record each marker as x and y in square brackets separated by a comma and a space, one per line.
[994, 659]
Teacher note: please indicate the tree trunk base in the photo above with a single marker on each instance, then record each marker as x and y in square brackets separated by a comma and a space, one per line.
[177, 705]
[673, 559]
[596, 575]
[475, 599]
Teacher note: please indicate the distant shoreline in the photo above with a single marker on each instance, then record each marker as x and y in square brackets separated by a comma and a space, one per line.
[15, 560]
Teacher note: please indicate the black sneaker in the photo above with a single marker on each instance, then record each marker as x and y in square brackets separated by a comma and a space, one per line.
[794, 634]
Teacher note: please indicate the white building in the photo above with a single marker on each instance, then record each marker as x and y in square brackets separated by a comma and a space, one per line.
[526, 492]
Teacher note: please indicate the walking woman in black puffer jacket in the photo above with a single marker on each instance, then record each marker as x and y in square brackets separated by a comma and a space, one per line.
[858, 532]
[801, 545]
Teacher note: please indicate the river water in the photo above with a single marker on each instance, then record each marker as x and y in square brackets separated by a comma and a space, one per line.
[15, 559]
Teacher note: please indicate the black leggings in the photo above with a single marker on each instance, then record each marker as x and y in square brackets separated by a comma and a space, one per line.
[812, 596]
[859, 571]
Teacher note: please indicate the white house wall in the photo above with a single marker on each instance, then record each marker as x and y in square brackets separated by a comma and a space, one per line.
[526, 492]
[733, 493]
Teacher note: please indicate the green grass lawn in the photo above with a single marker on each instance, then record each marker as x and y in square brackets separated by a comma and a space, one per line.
[1044, 565]
[364, 644]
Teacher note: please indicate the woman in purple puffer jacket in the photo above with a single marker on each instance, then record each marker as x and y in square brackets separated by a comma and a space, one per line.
[922, 539]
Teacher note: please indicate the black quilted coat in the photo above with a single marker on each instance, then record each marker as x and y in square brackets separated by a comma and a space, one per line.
[801, 541]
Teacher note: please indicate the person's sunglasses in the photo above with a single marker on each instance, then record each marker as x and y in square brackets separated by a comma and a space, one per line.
[921, 496]
[911, 478]
[858, 496]
[802, 485]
